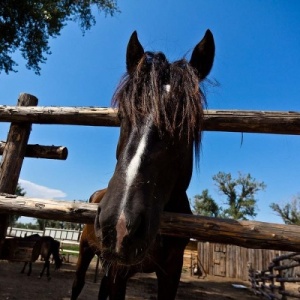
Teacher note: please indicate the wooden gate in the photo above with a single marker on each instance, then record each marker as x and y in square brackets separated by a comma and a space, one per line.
[219, 260]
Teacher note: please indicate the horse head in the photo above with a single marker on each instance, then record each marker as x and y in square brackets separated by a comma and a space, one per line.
[161, 112]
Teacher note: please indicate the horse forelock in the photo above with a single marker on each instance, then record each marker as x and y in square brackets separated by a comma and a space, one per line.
[170, 92]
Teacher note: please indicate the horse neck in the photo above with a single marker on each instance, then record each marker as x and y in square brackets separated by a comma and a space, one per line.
[179, 202]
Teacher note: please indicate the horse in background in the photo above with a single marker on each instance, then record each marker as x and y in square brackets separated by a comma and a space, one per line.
[44, 246]
[161, 115]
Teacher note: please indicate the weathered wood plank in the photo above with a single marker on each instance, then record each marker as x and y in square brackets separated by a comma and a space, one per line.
[40, 151]
[277, 122]
[61, 115]
[70, 211]
[248, 234]
[12, 158]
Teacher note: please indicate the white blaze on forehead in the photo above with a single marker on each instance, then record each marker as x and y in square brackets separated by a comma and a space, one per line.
[135, 163]
[136, 160]
[131, 173]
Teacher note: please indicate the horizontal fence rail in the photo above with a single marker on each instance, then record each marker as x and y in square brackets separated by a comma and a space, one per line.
[248, 234]
[22, 232]
[271, 282]
[40, 151]
[276, 122]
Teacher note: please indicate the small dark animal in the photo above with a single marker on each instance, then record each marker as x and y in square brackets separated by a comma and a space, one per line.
[161, 115]
[44, 246]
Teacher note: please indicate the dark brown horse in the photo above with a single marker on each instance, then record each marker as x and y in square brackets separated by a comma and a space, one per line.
[88, 247]
[44, 246]
[161, 113]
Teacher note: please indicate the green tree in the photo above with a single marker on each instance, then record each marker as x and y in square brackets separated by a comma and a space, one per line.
[205, 205]
[290, 212]
[239, 193]
[20, 191]
[43, 223]
[27, 25]
[26, 225]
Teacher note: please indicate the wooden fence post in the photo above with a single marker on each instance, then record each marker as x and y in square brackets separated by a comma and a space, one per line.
[12, 158]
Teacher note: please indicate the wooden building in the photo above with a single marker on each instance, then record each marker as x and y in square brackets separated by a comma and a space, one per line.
[233, 261]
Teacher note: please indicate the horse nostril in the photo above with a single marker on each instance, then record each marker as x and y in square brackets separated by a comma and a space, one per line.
[136, 228]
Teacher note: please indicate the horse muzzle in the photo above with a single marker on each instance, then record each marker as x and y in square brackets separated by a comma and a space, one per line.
[125, 242]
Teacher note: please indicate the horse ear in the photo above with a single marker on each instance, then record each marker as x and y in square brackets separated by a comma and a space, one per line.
[134, 53]
[203, 55]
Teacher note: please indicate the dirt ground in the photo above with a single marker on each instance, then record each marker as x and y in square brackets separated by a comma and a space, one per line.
[14, 285]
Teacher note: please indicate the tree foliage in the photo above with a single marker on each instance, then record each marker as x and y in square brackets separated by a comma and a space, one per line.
[240, 202]
[290, 212]
[20, 191]
[43, 223]
[27, 25]
[205, 205]
[239, 193]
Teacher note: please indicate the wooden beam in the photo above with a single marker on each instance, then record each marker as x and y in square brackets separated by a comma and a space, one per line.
[40, 151]
[249, 234]
[12, 158]
[61, 115]
[276, 122]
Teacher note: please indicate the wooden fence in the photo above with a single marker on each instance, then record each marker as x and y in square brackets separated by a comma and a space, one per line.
[251, 234]
[274, 281]
[22, 232]
[56, 233]
[273, 274]
[275, 122]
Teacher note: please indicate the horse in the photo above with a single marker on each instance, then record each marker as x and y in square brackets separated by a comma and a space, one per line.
[44, 246]
[160, 108]
[88, 248]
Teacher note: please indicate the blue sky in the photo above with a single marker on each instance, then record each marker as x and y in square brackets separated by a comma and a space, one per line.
[257, 67]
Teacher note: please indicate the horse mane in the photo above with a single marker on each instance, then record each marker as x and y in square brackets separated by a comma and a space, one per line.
[177, 110]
